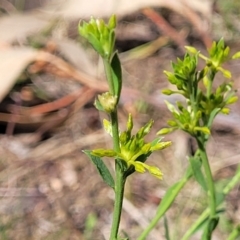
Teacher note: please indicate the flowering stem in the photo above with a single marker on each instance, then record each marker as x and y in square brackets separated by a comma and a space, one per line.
[120, 179]
[210, 184]
[119, 182]
[119, 193]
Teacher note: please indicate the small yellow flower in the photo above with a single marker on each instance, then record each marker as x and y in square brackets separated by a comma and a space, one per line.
[133, 149]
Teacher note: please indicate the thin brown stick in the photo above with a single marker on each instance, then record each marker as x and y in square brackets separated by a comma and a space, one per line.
[164, 26]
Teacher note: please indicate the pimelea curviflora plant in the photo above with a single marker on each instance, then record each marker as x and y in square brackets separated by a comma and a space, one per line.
[203, 102]
[195, 115]
[129, 151]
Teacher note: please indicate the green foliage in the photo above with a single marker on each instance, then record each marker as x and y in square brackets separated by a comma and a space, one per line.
[102, 169]
[116, 71]
[196, 166]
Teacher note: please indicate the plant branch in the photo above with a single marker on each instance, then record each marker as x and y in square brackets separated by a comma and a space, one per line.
[210, 184]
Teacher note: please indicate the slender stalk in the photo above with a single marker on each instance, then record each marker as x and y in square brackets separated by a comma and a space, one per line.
[119, 193]
[235, 233]
[119, 182]
[115, 131]
[210, 182]
[120, 179]
[114, 114]
[196, 224]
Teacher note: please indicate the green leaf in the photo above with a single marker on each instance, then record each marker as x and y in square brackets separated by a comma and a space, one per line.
[102, 169]
[170, 196]
[117, 75]
[197, 171]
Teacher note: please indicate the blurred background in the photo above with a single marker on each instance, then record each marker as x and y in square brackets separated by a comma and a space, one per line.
[49, 77]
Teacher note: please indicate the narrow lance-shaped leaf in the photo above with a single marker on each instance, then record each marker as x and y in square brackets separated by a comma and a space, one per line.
[197, 171]
[171, 194]
[102, 169]
[116, 75]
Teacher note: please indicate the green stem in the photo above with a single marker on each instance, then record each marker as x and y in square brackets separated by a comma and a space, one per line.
[210, 183]
[235, 233]
[115, 131]
[196, 225]
[119, 193]
[120, 179]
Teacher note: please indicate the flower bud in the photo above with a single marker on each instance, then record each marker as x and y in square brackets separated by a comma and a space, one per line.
[129, 123]
[167, 91]
[112, 22]
[192, 50]
[108, 102]
[225, 111]
[232, 99]
[165, 131]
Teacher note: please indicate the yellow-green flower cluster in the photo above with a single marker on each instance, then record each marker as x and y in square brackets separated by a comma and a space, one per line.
[100, 35]
[202, 104]
[134, 150]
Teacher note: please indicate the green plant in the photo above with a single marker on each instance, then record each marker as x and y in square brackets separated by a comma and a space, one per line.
[195, 116]
[203, 102]
[129, 151]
